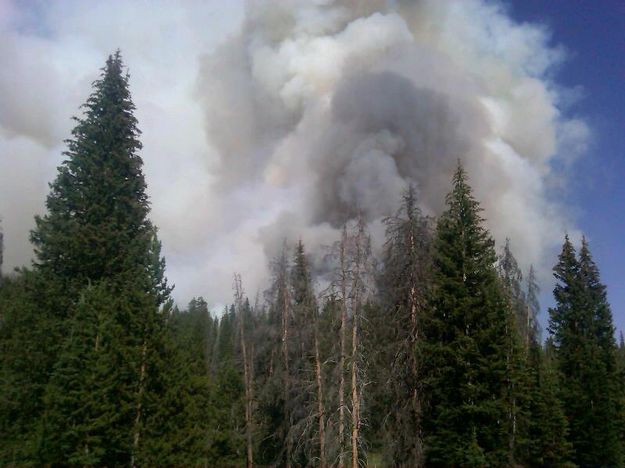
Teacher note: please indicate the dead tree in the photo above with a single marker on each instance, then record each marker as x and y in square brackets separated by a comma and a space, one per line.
[247, 370]
[350, 284]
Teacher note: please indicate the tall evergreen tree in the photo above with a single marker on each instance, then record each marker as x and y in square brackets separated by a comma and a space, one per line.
[546, 443]
[89, 397]
[583, 335]
[25, 340]
[97, 223]
[96, 234]
[465, 347]
[512, 281]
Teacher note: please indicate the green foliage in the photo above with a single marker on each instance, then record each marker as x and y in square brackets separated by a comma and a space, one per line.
[89, 398]
[98, 368]
[466, 342]
[546, 443]
[96, 226]
[583, 334]
[25, 348]
[91, 306]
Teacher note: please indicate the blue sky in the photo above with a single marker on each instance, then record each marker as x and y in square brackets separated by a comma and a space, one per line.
[593, 34]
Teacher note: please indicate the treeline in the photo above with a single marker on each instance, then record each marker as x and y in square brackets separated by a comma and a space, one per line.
[428, 355]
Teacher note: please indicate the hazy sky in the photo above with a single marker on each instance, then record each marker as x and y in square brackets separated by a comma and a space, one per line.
[269, 120]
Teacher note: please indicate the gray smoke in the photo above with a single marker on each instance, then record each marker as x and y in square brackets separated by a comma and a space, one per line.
[283, 118]
[329, 108]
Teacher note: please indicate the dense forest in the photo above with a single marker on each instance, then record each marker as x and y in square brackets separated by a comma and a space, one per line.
[429, 354]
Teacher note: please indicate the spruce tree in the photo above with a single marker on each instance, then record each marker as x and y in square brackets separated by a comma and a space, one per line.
[546, 443]
[311, 399]
[392, 338]
[179, 425]
[88, 397]
[24, 366]
[96, 234]
[512, 280]
[97, 223]
[466, 344]
[583, 335]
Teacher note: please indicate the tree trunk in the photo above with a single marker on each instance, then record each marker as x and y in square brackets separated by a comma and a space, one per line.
[248, 399]
[285, 356]
[246, 372]
[355, 397]
[414, 337]
[342, 332]
[320, 407]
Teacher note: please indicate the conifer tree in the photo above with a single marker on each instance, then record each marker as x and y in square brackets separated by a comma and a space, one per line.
[278, 398]
[97, 234]
[403, 286]
[512, 281]
[89, 399]
[312, 380]
[546, 443]
[97, 223]
[583, 335]
[465, 347]
[518, 334]
[25, 363]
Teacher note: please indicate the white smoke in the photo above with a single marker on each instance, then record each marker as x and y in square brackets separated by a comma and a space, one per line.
[309, 112]
[328, 108]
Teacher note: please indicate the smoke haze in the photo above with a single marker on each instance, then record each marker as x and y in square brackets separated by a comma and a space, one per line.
[281, 119]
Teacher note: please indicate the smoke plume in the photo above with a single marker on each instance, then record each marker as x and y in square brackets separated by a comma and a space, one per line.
[296, 115]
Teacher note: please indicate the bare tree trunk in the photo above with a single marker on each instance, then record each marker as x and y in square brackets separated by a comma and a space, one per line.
[414, 337]
[246, 372]
[285, 356]
[342, 332]
[355, 397]
[320, 407]
[357, 290]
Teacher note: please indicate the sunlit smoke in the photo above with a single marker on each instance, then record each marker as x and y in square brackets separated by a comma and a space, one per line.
[283, 119]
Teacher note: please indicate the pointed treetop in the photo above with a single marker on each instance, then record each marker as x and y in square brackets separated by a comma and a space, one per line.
[460, 200]
[567, 261]
[97, 223]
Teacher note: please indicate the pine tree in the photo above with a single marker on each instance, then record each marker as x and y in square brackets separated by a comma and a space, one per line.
[312, 380]
[583, 334]
[97, 231]
[465, 347]
[89, 399]
[543, 441]
[519, 336]
[226, 441]
[97, 226]
[403, 286]
[512, 280]
[546, 443]
[533, 307]
[278, 396]
[25, 340]
[178, 428]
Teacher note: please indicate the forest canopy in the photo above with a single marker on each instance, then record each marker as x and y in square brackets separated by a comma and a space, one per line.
[427, 353]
